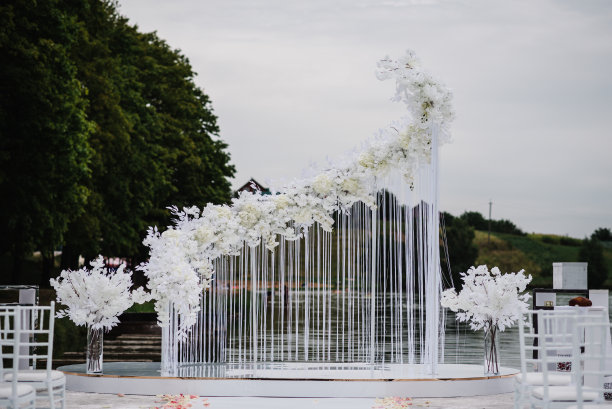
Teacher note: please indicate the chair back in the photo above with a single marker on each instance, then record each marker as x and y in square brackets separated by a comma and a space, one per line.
[9, 344]
[593, 338]
[36, 330]
[550, 349]
[527, 339]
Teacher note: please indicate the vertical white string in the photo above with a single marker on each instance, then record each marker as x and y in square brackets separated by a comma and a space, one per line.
[252, 311]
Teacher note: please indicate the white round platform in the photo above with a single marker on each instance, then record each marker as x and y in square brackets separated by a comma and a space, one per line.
[291, 380]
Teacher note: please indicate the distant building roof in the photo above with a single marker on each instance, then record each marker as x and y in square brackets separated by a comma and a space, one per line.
[253, 186]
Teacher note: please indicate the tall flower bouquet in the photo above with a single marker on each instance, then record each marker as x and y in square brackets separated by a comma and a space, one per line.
[95, 298]
[491, 301]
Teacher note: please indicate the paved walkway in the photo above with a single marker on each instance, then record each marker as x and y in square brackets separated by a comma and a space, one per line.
[80, 400]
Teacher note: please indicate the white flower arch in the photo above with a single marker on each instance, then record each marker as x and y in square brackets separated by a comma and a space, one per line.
[180, 265]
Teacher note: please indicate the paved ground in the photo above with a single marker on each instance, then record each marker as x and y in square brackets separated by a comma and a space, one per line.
[79, 400]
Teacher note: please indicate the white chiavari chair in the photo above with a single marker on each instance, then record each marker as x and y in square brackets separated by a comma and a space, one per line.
[531, 374]
[37, 324]
[588, 345]
[593, 369]
[13, 394]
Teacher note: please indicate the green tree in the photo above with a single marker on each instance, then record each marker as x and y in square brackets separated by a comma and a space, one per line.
[462, 252]
[125, 173]
[602, 234]
[475, 219]
[591, 251]
[505, 226]
[155, 139]
[478, 222]
[44, 151]
[195, 159]
[101, 128]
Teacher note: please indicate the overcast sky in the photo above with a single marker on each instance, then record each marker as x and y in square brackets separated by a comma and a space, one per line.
[292, 82]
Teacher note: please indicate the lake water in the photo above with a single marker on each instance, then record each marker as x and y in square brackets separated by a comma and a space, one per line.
[466, 346]
[462, 345]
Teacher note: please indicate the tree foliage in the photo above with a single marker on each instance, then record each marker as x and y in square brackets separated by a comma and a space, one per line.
[462, 252]
[591, 251]
[475, 219]
[478, 222]
[43, 129]
[505, 226]
[602, 234]
[137, 134]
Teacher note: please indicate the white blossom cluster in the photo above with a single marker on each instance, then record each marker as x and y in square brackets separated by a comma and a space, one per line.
[427, 100]
[96, 297]
[180, 264]
[489, 298]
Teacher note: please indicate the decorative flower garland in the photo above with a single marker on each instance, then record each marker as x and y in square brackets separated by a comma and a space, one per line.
[180, 265]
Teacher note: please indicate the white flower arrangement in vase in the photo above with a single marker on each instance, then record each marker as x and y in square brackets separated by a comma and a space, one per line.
[95, 298]
[489, 300]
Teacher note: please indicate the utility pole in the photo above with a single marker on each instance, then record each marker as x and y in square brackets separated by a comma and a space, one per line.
[489, 236]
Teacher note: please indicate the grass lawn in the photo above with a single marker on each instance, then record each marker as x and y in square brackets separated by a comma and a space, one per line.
[533, 252]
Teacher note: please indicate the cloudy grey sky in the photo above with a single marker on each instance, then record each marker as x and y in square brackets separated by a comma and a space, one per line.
[292, 83]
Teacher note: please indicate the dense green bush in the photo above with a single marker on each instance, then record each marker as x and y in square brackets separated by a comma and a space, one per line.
[569, 241]
[478, 222]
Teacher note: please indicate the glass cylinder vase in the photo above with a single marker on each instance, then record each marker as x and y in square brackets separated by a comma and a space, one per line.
[491, 349]
[95, 338]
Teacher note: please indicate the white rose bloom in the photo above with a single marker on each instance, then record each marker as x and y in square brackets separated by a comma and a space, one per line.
[351, 185]
[282, 201]
[322, 184]
[171, 234]
[223, 212]
[204, 234]
[366, 159]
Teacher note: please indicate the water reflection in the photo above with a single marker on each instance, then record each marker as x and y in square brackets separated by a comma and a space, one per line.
[462, 345]
[347, 344]
[465, 346]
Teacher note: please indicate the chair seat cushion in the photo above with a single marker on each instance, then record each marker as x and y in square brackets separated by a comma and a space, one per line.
[38, 375]
[537, 378]
[22, 390]
[564, 393]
